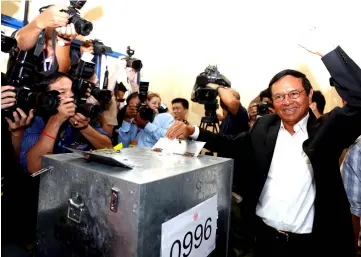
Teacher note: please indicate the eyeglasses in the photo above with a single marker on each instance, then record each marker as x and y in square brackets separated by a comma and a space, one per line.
[292, 95]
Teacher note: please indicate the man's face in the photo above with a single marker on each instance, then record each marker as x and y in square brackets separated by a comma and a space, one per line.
[290, 110]
[179, 111]
[134, 101]
[63, 85]
[120, 98]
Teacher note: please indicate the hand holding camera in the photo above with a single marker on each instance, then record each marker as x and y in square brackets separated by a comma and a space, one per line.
[66, 109]
[52, 17]
[79, 121]
[7, 97]
[66, 32]
[130, 112]
[21, 120]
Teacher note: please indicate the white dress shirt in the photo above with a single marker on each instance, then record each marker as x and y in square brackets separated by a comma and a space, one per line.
[287, 199]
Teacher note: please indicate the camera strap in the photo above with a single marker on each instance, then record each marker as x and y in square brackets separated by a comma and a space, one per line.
[54, 66]
[106, 74]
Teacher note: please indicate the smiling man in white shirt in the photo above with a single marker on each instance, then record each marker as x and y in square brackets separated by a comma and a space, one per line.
[293, 190]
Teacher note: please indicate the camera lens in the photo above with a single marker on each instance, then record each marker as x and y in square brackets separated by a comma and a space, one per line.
[89, 110]
[83, 27]
[48, 101]
[103, 96]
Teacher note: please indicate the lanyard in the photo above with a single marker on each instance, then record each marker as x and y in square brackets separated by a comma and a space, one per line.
[47, 62]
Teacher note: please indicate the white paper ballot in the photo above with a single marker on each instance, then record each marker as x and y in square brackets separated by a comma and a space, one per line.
[178, 146]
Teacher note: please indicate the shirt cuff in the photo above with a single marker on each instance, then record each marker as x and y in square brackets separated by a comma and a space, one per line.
[150, 127]
[195, 135]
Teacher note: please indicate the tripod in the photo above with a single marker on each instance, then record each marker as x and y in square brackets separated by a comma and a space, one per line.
[210, 121]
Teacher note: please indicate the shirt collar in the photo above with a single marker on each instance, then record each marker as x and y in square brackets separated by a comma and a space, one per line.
[301, 125]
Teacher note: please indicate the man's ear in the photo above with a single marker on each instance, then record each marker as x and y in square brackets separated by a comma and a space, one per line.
[310, 96]
[313, 106]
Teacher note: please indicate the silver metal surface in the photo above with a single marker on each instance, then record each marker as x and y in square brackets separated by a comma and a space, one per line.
[157, 189]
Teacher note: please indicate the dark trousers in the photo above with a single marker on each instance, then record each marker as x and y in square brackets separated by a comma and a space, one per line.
[271, 243]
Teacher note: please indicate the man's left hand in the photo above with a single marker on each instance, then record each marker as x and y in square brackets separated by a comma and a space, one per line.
[66, 33]
[19, 122]
[79, 121]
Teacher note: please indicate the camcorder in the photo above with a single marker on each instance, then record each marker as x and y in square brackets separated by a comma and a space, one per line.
[145, 112]
[262, 108]
[22, 74]
[82, 26]
[134, 63]
[203, 94]
[83, 73]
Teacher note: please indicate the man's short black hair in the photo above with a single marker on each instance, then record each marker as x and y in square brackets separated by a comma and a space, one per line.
[47, 80]
[132, 96]
[320, 100]
[297, 74]
[183, 101]
[265, 93]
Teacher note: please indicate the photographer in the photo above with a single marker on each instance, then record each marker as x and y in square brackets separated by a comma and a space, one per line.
[138, 131]
[264, 107]
[52, 18]
[65, 128]
[14, 184]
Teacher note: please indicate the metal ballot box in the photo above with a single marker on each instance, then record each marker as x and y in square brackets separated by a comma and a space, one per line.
[93, 209]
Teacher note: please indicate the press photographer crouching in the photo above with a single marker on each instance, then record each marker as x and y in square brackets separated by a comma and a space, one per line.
[70, 126]
[142, 125]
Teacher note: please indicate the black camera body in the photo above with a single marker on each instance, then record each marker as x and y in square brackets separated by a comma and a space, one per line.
[145, 112]
[82, 26]
[100, 48]
[23, 74]
[206, 95]
[262, 108]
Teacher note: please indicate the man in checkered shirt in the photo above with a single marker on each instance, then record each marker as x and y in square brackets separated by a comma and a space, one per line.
[351, 168]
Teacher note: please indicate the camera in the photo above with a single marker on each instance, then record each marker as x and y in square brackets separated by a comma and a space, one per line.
[203, 94]
[145, 112]
[262, 108]
[100, 48]
[82, 26]
[7, 43]
[22, 75]
[134, 63]
[83, 73]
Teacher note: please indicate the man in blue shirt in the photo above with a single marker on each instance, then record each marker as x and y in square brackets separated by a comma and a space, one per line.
[65, 128]
[145, 133]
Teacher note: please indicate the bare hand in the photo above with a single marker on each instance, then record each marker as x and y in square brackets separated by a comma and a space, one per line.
[52, 17]
[179, 130]
[7, 97]
[20, 122]
[87, 47]
[66, 32]
[252, 111]
[79, 121]
[66, 109]
[131, 111]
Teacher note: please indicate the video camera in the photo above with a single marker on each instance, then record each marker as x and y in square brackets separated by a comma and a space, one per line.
[22, 75]
[134, 63]
[145, 112]
[83, 73]
[82, 26]
[206, 95]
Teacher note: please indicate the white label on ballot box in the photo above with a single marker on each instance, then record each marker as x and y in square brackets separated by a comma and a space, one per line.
[192, 233]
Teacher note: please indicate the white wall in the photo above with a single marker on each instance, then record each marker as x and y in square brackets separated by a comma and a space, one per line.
[250, 41]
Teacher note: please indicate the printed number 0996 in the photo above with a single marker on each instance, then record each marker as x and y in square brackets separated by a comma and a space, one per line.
[188, 240]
